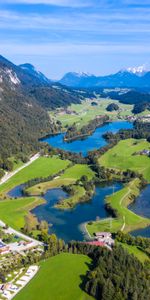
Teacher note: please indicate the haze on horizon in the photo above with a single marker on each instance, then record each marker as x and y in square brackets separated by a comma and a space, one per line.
[58, 36]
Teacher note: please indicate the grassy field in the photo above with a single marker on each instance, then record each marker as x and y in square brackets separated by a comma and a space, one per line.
[12, 212]
[126, 220]
[121, 157]
[42, 167]
[77, 171]
[59, 278]
[70, 176]
[136, 252]
[86, 112]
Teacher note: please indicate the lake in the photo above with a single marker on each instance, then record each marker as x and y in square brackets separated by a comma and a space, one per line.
[67, 223]
[91, 142]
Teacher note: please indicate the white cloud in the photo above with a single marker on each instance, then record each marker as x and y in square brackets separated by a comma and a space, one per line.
[68, 3]
[103, 22]
[62, 49]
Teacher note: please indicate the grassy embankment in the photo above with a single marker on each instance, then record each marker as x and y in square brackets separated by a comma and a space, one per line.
[123, 157]
[70, 176]
[85, 112]
[42, 167]
[136, 251]
[59, 278]
[126, 220]
[12, 211]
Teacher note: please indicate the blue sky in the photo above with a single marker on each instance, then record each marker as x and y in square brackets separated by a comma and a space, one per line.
[57, 36]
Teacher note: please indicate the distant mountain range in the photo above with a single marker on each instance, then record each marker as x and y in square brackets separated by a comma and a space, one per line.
[26, 96]
[130, 78]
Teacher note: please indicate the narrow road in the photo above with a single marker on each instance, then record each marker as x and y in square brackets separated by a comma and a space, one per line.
[5, 179]
[121, 200]
[7, 176]
[124, 224]
[20, 234]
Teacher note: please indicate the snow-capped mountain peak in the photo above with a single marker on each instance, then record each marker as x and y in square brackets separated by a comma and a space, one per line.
[139, 71]
[12, 76]
[84, 74]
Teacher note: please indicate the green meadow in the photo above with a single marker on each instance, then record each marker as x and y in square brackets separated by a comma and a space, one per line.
[86, 112]
[123, 156]
[126, 220]
[42, 167]
[136, 252]
[71, 175]
[59, 278]
[12, 212]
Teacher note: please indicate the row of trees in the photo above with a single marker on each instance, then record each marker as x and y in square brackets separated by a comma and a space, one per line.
[38, 180]
[73, 133]
[139, 241]
[140, 131]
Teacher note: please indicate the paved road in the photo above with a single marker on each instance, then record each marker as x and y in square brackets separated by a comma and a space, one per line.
[21, 235]
[7, 176]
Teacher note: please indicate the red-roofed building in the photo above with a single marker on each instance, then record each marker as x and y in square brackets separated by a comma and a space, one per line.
[96, 243]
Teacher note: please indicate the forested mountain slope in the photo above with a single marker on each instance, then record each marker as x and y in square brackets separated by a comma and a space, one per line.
[25, 97]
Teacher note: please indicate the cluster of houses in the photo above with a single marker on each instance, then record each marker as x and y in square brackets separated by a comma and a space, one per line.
[103, 239]
[4, 249]
[10, 289]
[16, 247]
[145, 119]
[67, 111]
[145, 152]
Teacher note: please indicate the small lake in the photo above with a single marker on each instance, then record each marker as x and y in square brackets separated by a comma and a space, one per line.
[67, 224]
[90, 143]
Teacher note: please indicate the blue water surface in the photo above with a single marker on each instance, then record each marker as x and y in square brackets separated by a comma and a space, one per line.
[94, 141]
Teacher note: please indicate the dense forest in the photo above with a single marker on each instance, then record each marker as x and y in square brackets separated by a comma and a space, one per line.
[114, 274]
